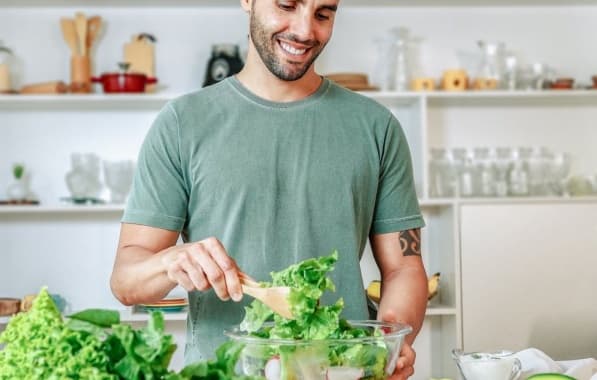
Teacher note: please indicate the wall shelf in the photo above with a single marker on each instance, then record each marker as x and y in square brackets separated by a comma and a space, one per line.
[157, 100]
[351, 3]
[127, 315]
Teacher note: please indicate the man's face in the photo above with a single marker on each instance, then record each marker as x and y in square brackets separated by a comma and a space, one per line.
[290, 35]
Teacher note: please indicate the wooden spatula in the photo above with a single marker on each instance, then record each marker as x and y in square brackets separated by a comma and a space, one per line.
[276, 298]
[70, 34]
[81, 26]
[94, 25]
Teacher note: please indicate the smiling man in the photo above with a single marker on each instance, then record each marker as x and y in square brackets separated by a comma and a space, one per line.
[266, 169]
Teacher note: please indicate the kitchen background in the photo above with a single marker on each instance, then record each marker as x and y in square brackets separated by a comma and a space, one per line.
[517, 264]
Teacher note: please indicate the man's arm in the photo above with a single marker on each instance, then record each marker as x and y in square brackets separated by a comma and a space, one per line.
[149, 265]
[139, 274]
[403, 289]
[403, 278]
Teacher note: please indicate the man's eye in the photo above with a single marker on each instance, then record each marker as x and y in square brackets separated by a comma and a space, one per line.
[286, 7]
[321, 16]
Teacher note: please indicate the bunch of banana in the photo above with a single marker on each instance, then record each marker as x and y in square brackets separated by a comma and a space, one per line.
[432, 286]
[374, 288]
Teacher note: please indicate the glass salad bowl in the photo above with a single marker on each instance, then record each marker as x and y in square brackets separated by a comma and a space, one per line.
[370, 356]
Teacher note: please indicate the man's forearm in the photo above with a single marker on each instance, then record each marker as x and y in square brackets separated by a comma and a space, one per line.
[139, 276]
[404, 296]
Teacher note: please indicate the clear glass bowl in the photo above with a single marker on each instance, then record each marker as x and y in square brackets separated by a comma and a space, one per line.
[370, 357]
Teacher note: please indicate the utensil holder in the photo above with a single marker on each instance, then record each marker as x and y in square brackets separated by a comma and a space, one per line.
[80, 74]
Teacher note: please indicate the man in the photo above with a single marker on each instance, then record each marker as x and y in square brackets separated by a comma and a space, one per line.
[266, 169]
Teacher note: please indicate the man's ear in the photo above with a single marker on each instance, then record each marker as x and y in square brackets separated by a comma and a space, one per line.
[246, 4]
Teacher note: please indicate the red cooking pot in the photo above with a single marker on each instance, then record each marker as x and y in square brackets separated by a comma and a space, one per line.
[124, 81]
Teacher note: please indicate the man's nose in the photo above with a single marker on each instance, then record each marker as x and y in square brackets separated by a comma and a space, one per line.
[303, 27]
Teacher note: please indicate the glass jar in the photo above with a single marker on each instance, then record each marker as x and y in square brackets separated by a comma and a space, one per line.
[442, 177]
[518, 177]
[83, 180]
[468, 175]
[503, 160]
[491, 68]
[485, 173]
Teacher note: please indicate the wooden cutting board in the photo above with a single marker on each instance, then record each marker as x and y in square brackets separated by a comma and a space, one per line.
[139, 53]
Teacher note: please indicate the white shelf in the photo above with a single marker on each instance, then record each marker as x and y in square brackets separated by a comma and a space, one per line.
[440, 310]
[128, 315]
[157, 100]
[60, 209]
[232, 3]
[98, 101]
[424, 203]
[517, 200]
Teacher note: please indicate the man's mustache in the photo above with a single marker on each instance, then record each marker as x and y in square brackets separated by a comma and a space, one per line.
[294, 38]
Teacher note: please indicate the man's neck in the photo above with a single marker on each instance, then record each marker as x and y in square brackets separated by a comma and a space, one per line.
[260, 81]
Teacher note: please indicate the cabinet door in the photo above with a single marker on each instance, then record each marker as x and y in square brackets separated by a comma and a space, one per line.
[528, 278]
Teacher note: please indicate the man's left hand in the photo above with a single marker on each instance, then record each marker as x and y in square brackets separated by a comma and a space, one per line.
[405, 364]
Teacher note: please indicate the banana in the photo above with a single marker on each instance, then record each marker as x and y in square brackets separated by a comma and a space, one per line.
[433, 285]
[374, 291]
[374, 288]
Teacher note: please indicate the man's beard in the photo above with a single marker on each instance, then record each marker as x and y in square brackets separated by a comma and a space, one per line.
[265, 46]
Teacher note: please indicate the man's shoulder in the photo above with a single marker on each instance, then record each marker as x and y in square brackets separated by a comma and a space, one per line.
[350, 101]
[203, 98]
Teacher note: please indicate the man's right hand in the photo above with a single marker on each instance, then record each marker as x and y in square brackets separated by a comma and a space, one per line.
[203, 265]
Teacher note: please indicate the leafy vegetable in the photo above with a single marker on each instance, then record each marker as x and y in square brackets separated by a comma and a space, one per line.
[313, 322]
[222, 368]
[40, 346]
[93, 345]
[99, 317]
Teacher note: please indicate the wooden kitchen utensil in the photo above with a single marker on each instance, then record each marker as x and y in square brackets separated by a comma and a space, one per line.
[80, 74]
[69, 33]
[139, 53]
[81, 28]
[94, 26]
[53, 87]
[276, 298]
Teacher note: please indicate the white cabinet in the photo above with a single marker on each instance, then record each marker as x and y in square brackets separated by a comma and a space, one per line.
[71, 249]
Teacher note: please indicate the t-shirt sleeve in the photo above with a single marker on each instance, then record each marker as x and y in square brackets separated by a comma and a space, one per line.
[159, 196]
[397, 205]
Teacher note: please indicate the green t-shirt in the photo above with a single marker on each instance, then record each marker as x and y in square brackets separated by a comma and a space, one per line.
[276, 183]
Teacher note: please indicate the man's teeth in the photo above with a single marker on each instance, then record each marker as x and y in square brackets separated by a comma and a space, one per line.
[292, 50]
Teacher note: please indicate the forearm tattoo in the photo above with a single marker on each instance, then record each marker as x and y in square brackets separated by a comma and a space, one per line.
[410, 242]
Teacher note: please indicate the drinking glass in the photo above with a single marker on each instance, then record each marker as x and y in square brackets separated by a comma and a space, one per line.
[119, 178]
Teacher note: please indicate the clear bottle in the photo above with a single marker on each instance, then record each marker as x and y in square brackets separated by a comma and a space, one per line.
[403, 43]
[458, 159]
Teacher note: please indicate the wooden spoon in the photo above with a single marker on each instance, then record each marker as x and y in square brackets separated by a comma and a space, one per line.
[94, 25]
[275, 297]
[81, 25]
[70, 34]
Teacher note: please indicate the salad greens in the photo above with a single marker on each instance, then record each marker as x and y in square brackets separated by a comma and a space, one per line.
[94, 345]
[313, 321]
[40, 346]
